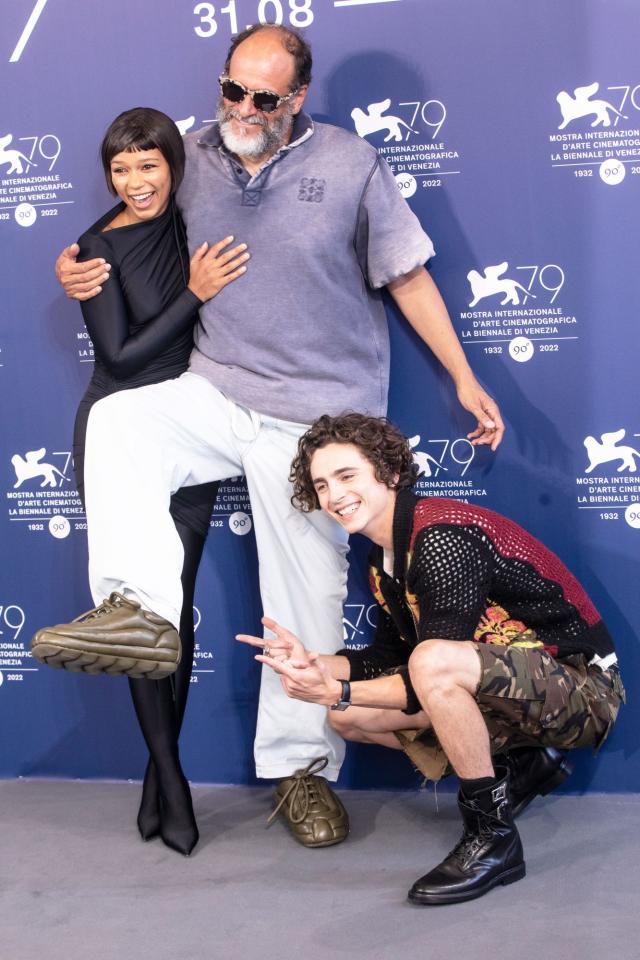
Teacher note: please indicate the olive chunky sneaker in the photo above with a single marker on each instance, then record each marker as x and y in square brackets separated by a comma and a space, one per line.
[312, 810]
[117, 637]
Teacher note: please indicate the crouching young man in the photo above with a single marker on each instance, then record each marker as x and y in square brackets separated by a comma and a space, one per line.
[489, 658]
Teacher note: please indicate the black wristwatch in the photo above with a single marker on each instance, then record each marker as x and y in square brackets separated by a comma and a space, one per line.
[345, 697]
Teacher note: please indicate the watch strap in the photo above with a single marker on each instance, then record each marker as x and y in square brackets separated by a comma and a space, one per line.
[345, 697]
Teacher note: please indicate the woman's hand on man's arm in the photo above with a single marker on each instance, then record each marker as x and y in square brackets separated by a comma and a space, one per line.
[212, 268]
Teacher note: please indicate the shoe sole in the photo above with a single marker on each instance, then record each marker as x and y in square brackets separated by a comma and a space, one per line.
[559, 775]
[435, 900]
[322, 843]
[53, 654]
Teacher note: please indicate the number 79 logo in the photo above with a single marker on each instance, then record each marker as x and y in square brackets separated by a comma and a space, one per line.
[28, 30]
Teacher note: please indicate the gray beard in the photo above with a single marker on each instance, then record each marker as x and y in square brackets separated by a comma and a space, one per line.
[273, 133]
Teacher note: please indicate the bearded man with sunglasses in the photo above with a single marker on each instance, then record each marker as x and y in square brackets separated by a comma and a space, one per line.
[302, 333]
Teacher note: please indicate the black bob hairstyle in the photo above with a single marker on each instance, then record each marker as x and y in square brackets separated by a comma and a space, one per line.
[143, 128]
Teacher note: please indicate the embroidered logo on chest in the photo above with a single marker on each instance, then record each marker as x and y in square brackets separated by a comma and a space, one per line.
[311, 189]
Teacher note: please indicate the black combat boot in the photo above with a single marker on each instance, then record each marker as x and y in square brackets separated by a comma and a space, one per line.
[534, 771]
[489, 852]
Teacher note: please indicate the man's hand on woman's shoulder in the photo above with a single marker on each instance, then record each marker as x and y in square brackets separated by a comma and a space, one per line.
[80, 281]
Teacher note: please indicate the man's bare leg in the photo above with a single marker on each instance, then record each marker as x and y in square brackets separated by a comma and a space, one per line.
[445, 675]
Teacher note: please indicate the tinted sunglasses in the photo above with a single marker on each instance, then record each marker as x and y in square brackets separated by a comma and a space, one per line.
[266, 101]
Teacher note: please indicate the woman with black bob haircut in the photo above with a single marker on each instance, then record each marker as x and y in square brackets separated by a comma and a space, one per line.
[141, 326]
[143, 128]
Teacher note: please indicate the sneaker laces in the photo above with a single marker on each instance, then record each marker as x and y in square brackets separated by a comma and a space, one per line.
[303, 789]
[114, 601]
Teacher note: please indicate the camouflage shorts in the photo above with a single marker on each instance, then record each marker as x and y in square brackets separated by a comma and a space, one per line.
[528, 698]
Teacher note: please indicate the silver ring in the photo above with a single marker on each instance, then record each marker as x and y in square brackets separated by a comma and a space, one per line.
[266, 652]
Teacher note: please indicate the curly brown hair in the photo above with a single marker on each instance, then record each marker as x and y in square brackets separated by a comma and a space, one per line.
[377, 439]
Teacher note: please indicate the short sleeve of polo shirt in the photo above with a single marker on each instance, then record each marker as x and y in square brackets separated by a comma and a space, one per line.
[390, 240]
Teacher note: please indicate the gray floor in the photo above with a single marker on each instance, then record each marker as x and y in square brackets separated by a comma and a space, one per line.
[76, 881]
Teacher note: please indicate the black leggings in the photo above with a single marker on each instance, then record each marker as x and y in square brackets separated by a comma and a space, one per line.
[160, 704]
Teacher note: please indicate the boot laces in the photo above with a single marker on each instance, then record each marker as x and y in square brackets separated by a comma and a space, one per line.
[303, 791]
[114, 601]
[470, 843]
[472, 840]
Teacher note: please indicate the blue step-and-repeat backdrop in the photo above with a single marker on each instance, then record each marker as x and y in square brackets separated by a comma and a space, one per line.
[514, 133]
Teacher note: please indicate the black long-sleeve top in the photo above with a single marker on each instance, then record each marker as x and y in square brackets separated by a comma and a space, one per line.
[141, 325]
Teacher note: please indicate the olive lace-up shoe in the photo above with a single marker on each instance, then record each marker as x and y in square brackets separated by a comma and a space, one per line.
[117, 637]
[312, 810]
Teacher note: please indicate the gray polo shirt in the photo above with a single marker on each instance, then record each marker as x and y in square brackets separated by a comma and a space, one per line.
[304, 331]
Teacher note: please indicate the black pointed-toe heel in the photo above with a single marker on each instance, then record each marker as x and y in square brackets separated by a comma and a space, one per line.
[178, 827]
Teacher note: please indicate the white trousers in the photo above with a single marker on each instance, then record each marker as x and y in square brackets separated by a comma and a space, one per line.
[141, 446]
